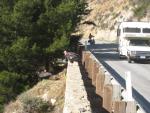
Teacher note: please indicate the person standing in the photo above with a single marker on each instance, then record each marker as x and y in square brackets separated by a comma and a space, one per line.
[71, 56]
[91, 39]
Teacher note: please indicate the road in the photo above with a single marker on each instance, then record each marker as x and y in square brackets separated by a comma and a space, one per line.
[140, 71]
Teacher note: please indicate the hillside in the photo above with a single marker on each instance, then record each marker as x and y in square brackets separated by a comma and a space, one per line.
[103, 16]
[45, 97]
[101, 19]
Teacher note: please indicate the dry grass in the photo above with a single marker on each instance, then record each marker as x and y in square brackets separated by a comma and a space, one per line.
[104, 14]
[52, 88]
[108, 6]
[14, 107]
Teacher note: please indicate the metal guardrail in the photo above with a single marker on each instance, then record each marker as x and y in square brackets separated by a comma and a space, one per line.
[142, 103]
[116, 98]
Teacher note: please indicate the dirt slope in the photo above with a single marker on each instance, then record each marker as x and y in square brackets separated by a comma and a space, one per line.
[47, 92]
[103, 16]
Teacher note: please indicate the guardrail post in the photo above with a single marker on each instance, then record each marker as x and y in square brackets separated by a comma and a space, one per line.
[128, 87]
[98, 89]
[90, 67]
[107, 97]
[88, 64]
[131, 107]
[107, 78]
[85, 61]
[95, 73]
[85, 45]
[100, 78]
[119, 107]
[83, 58]
[116, 90]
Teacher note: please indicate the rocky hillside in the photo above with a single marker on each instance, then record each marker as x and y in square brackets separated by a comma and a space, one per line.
[103, 16]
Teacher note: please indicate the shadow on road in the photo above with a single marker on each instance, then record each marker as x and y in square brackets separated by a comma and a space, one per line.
[105, 51]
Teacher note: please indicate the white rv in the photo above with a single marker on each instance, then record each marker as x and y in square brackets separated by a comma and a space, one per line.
[134, 40]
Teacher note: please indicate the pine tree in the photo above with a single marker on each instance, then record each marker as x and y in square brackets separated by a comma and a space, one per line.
[33, 33]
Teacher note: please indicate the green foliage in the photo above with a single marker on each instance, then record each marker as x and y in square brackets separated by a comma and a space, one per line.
[141, 9]
[58, 44]
[33, 33]
[18, 56]
[1, 108]
[10, 86]
[34, 104]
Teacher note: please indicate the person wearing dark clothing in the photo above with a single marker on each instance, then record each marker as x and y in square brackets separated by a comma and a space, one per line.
[90, 36]
[71, 56]
[91, 39]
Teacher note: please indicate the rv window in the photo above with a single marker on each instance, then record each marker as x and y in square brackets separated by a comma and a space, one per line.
[139, 43]
[146, 30]
[131, 30]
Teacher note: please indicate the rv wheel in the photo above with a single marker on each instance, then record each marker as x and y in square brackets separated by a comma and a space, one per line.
[129, 60]
[120, 56]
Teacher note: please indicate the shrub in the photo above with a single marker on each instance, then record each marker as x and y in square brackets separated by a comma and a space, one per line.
[141, 9]
[10, 86]
[35, 104]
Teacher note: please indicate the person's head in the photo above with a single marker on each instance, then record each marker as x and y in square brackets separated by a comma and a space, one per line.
[45, 70]
[90, 36]
[65, 52]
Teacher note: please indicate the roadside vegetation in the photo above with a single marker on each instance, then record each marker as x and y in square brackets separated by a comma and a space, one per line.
[33, 34]
[142, 8]
[47, 96]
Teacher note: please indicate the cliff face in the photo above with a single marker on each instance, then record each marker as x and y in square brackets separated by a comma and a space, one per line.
[103, 16]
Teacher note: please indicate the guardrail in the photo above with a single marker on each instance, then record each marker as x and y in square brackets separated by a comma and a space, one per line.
[116, 99]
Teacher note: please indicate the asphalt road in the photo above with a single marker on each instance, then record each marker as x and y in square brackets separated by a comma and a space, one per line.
[140, 71]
